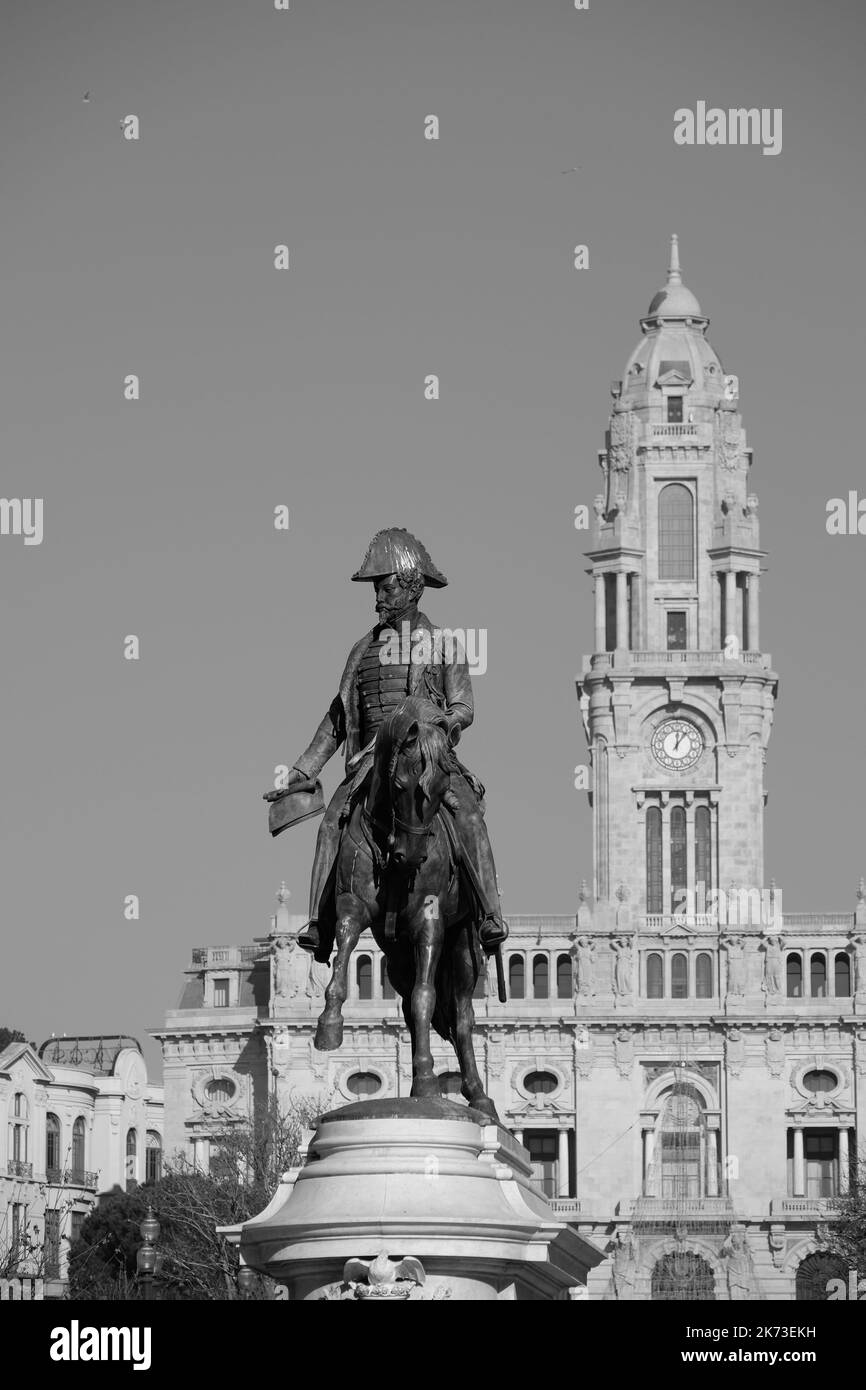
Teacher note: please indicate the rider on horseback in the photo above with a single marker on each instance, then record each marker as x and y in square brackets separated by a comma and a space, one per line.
[379, 674]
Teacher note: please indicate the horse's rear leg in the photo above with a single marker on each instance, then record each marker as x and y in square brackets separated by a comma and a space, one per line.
[464, 1018]
[352, 918]
[428, 946]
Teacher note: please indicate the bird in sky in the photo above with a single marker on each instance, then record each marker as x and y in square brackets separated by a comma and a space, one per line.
[575, 170]
[86, 96]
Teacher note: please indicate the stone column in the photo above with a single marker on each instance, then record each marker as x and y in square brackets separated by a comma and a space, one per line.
[753, 621]
[621, 611]
[843, 1161]
[636, 616]
[518, 1134]
[562, 1164]
[600, 610]
[666, 872]
[648, 1154]
[730, 625]
[692, 905]
[712, 1163]
[799, 1164]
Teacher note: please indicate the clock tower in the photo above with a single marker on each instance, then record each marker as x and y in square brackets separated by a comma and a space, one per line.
[677, 698]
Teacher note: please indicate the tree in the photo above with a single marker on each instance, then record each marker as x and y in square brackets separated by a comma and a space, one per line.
[847, 1230]
[10, 1035]
[247, 1161]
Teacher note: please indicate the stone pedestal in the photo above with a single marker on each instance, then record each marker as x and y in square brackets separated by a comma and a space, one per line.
[434, 1197]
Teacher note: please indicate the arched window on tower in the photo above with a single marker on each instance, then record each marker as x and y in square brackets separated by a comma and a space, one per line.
[676, 532]
[540, 977]
[654, 860]
[563, 977]
[655, 976]
[364, 977]
[703, 857]
[794, 972]
[516, 977]
[678, 859]
[704, 976]
[679, 976]
[842, 975]
[818, 975]
[388, 991]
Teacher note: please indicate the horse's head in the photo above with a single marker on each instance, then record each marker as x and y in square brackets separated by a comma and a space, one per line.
[412, 764]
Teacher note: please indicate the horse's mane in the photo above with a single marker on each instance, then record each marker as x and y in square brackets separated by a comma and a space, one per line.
[433, 742]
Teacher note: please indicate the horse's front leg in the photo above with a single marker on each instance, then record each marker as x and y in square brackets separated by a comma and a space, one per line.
[352, 918]
[427, 931]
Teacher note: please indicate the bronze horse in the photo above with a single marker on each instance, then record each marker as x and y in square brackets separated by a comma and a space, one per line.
[398, 873]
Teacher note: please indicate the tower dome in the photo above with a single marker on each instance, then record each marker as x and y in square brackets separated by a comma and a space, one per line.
[674, 300]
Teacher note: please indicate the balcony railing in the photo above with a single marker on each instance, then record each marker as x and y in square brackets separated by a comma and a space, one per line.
[684, 431]
[807, 1208]
[228, 955]
[692, 655]
[15, 1168]
[566, 1206]
[681, 1208]
[72, 1177]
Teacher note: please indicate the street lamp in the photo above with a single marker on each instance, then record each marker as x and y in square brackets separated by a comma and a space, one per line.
[246, 1280]
[147, 1258]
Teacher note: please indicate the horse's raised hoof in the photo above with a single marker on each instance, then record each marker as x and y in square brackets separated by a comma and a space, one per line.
[329, 1033]
[484, 1105]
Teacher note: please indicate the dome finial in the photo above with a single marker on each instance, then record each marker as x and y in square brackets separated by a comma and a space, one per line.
[674, 276]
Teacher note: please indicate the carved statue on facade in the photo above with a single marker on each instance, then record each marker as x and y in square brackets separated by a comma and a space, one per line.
[624, 1260]
[736, 952]
[622, 971]
[282, 953]
[739, 1267]
[583, 954]
[774, 961]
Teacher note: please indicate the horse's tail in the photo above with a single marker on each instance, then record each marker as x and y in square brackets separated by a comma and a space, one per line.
[443, 1014]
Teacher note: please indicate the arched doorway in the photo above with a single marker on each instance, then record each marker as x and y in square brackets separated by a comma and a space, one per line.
[815, 1272]
[682, 1276]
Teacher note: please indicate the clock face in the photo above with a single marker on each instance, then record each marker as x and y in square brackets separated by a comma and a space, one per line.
[677, 744]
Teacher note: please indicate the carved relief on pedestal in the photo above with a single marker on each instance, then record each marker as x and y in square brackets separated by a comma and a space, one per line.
[623, 1052]
[775, 1051]
[735, 1051]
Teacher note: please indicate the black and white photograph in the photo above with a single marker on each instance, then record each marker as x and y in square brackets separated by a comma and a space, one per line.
[432, 575]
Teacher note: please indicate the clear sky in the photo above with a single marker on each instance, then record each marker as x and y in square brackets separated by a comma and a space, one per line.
[305, 387]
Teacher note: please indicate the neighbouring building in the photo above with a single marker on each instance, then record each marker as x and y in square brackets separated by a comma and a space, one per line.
[77, 1118]
[684, 1059]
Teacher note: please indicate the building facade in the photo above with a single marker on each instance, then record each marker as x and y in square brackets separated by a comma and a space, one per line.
[684, 1059]
[77, 1118]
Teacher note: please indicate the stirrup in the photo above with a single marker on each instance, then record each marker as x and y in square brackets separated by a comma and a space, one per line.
[493, 932]
[308, 936]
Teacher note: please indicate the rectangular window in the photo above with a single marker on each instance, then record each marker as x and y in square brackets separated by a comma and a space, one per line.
[675, 410]
[75, 1224]
[819, 1151]
[610, 612]
[52, 1244]
[543, 1146]
[676, 635]
[681, 1164]
[220, 994]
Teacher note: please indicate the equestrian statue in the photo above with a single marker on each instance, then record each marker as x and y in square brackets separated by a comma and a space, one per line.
[403, 846]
